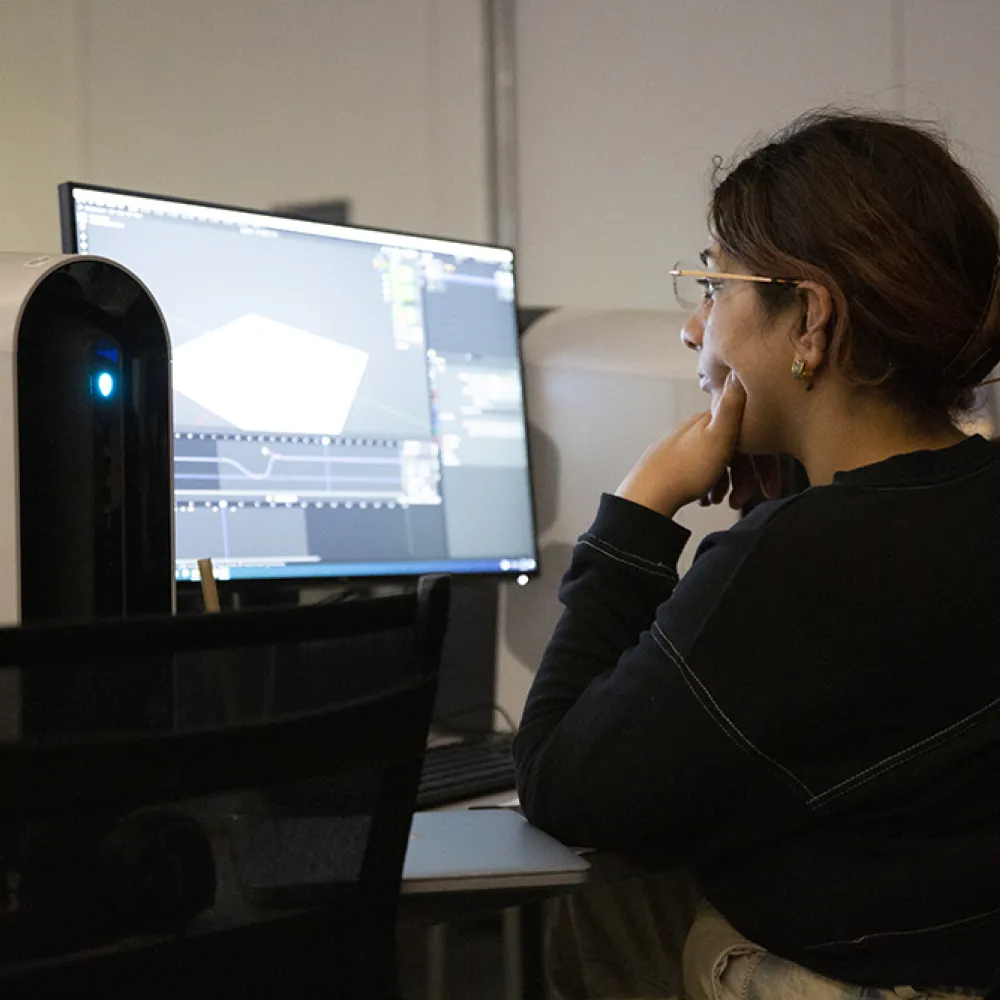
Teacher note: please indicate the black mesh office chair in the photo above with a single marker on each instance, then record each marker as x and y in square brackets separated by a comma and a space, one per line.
[137, 756]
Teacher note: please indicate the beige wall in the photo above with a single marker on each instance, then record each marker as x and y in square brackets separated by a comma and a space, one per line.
[953, 76]
[39, 118]
[250, 102]
[623, 106]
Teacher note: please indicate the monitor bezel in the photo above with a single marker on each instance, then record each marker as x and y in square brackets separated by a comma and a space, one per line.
[69, 239]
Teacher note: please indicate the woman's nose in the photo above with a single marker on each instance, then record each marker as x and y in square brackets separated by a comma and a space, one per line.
[693, 330]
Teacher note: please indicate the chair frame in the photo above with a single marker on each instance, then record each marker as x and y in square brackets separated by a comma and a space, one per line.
[62, 776]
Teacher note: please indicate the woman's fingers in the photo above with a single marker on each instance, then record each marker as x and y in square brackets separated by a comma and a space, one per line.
[720, 489]
[727, 411]
[690, 463]
[743, 480]
[768, 475]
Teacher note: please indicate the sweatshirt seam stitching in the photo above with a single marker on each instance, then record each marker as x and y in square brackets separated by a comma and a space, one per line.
[628, 558]
[917, 930]
[743, 741]
[697, 695]
[905, 755]
[593, 536]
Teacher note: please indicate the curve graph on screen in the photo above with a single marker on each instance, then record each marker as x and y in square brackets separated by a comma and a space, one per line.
[309, 468]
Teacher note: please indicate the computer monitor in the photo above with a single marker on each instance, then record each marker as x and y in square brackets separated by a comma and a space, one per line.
[347, 402]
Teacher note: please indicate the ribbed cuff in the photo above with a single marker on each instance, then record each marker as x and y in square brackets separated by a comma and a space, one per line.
[630, 527]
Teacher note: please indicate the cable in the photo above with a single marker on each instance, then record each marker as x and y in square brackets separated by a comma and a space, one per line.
[494, 707]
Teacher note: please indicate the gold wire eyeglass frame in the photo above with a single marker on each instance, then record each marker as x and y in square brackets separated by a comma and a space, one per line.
[707, 276]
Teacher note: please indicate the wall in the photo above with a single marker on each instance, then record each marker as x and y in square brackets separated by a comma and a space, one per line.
[39, 118]
[622, 106]
[952, 76]
[247, 102]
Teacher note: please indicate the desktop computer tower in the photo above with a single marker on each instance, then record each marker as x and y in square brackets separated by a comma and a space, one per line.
[85, 442]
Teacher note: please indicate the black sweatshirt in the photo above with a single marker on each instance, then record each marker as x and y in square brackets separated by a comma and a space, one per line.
[811, 716]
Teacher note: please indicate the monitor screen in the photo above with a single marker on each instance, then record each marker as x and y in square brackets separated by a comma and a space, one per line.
[346, 402]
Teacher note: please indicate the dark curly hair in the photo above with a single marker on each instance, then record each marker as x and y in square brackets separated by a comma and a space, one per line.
[877, 210]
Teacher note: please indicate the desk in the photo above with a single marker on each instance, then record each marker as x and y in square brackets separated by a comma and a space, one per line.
[663, 893]
[519, 892]
[523, 941]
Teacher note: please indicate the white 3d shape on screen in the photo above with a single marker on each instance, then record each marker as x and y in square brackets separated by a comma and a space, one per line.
[259, 374]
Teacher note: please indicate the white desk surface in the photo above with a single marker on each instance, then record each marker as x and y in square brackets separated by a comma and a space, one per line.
[492, 853]
[498, 882]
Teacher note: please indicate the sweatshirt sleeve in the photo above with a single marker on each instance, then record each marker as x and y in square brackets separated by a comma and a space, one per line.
[620, 744]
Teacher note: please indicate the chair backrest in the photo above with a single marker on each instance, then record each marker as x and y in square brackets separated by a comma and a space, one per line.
[318, 711]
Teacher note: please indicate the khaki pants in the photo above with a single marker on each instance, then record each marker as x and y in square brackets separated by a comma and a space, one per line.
[653, 937]
[623, 938]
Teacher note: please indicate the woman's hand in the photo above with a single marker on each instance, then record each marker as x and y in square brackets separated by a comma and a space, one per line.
[746, 476]
[697, 460]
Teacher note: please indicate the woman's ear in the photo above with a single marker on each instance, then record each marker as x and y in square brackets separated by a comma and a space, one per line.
[811, 339]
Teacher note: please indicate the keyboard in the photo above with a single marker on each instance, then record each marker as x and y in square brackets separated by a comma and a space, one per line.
[458, 771]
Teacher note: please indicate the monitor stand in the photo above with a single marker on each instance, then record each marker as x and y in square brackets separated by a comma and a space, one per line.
[467, 682]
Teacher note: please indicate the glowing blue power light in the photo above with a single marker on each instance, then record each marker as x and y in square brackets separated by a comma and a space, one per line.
[105, 383]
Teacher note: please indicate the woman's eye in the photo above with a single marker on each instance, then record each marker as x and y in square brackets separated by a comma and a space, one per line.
[709, 288]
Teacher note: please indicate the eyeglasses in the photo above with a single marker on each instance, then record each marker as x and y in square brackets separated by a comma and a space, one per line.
[693, 285]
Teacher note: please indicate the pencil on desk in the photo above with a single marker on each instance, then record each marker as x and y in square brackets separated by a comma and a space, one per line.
[209, 590]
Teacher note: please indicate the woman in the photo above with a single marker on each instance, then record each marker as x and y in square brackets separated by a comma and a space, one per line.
[811, 717]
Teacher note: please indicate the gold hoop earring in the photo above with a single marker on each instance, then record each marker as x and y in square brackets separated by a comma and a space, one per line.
[799, 369]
